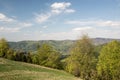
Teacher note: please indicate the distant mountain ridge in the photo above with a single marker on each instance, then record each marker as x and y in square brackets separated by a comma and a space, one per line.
[61, 45]
[99, 41]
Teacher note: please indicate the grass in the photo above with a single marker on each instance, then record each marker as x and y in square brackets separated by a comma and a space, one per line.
[12, 70]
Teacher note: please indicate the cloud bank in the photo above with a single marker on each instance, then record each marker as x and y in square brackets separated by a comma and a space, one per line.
[55, 9]
[4, 18]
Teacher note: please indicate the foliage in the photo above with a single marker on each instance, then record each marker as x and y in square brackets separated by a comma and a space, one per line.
[85, 60]
[43, 53]
[62, 46]
[54, 60]
[47, 56]
[3, 47]
[29, 57]
[20, 56]
[108, 66]
[34, 58]
[10, 54]
[82, 61]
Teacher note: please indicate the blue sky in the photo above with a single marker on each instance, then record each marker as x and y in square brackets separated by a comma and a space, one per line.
[59, 19]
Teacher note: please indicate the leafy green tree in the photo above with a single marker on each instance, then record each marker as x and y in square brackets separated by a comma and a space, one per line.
[10, 54]
[34, 58]
[81, 61]
[29, 58]
[43, 53]
[3, 47]
[108, 66]
[20, 56]
[72, 66]
[54, 60]
[47, 56]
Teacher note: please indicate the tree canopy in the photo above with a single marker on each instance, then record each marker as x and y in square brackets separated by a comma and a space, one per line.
[109, 61]
[3, 47]
[48, 56]
[81, 61]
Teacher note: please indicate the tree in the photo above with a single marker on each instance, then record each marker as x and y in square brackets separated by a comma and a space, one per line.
[10, 54]
[53, 60]
[48, 56]
[81, 61]
[28, 57]
[20, 56]
[34, 58]
[43, 53]
[3, 47]
[108, 66]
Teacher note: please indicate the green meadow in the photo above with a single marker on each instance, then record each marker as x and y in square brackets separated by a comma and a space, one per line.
[13, 70]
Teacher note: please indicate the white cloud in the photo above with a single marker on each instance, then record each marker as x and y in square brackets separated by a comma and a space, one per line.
[82, 28]
[69, 11]
[60, 5]
[78, 22]
[12, 25]
[97, 28]
[26, 24]
[40, 18]
[9, 30]
[56, 9]
[45, 26]
[73, 22]
[104, 33]
[102, 23]
[72, 35]
[4, 18]
[109, 23]
[59, 35]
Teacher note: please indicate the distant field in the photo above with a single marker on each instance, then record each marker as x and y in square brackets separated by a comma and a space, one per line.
[12, 70]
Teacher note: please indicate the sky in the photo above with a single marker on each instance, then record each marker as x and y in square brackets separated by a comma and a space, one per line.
[59, 19]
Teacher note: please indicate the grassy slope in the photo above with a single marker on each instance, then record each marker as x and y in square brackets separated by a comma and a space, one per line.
[12, 70]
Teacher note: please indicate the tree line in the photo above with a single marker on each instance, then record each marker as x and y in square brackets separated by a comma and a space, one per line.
[83, 61]
[46, 55]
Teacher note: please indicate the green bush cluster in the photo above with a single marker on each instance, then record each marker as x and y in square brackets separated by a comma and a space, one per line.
[47, 56]
[108, 66]
[84, 63]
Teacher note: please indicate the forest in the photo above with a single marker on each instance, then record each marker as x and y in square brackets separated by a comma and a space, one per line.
[84, 59]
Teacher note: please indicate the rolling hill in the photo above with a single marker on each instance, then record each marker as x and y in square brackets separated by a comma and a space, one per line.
[12, 70]
[62, 46]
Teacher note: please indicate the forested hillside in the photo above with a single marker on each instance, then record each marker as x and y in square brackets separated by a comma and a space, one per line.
[62, 46]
